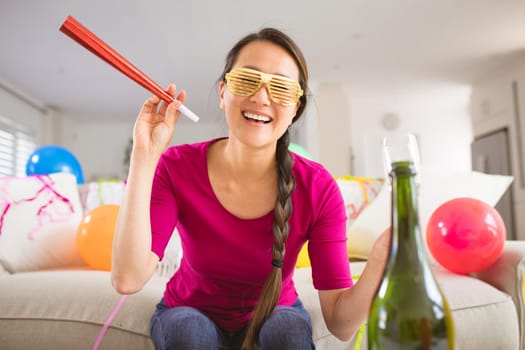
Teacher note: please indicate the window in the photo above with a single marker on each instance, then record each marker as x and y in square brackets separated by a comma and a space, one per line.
[16, 145]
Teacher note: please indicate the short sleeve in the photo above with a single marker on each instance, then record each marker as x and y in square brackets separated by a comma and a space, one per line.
[163, 209]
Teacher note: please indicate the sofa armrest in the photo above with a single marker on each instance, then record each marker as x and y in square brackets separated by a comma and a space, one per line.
[507, 275]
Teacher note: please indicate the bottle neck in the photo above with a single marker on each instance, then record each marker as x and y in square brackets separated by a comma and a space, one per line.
[407, 246]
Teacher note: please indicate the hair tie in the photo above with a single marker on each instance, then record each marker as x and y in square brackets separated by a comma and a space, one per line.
[277, 263]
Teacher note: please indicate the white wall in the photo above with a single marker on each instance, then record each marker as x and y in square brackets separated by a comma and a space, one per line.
[439, 117]
[344, 130]
[335, 121]
[99, 146]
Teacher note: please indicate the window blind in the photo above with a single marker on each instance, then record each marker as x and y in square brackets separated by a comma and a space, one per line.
[16, 145]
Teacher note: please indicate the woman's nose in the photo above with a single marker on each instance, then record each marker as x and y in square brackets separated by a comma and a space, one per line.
[262, 95]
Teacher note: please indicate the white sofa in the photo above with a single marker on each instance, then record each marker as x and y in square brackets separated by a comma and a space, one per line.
[67, 309]
[48, 303]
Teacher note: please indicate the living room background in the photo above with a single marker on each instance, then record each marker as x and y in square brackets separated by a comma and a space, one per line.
[340, 130]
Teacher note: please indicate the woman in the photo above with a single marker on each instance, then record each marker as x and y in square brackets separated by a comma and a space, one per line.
[243, 206]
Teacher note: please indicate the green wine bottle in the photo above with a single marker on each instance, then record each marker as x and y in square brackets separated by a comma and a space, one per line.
[409, 310]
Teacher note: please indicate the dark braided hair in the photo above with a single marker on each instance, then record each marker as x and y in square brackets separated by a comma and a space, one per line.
[286, 182]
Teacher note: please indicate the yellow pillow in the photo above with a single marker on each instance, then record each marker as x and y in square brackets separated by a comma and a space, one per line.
[303, 260]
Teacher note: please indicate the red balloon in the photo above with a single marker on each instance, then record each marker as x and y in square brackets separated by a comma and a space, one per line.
[465, 235]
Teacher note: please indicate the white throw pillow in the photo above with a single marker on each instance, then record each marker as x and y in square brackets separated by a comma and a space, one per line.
[40, 215]
[436, 188]
[358, 193]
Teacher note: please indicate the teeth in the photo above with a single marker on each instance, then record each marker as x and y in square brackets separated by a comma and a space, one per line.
[260, 118]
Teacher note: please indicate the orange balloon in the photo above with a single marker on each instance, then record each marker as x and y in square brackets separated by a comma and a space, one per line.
[95, 236]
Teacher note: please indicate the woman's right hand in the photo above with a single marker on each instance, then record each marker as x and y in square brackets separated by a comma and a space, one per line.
[155, 123]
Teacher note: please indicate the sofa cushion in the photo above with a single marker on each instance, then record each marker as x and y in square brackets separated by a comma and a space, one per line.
[67, 310]
[40, 215]
[484, 317]
[479, 306]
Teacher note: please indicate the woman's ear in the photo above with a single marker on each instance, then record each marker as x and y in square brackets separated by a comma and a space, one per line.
[222, 86]
[295, 112]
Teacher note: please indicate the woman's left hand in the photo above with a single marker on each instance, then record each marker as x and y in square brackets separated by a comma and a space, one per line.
[379, 253]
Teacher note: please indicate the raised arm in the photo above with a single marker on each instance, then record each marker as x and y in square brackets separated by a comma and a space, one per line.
[133, 262]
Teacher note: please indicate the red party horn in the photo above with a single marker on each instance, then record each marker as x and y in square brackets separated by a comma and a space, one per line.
[76, 31]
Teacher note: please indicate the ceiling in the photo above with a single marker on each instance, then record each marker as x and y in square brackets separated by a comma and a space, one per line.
[367, 45]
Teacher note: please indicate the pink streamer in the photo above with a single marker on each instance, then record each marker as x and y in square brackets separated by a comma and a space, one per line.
[108, 322]
[49, 210]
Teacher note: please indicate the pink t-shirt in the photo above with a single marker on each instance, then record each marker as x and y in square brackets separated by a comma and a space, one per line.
[226, 260]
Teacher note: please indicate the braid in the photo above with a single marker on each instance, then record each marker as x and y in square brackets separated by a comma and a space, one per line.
[285, 181]
[283, 209]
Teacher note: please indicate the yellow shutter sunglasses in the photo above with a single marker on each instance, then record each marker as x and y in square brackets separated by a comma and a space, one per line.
[246, 82]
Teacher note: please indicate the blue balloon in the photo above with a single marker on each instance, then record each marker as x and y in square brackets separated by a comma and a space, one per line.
[53, 159]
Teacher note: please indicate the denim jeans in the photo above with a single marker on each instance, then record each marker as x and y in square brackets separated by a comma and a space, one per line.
[288, 327]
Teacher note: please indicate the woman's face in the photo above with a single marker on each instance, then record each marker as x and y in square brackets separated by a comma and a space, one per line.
[256, 120]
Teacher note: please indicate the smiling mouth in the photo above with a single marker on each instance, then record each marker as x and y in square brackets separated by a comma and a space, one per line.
[258, 118]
